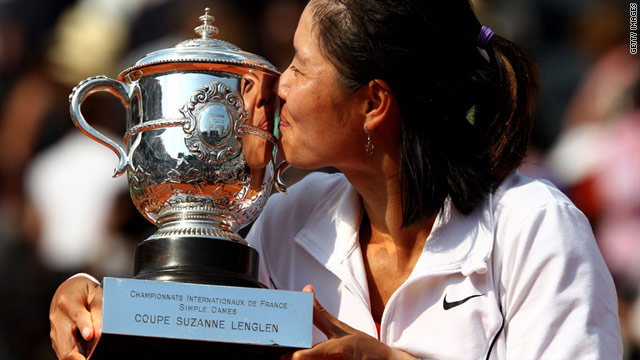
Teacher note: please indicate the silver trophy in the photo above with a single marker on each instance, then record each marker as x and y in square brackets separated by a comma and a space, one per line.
[199, 152]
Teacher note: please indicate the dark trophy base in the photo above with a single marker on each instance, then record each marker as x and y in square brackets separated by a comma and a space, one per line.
[121, 347]
[198, 261]
[220, 263]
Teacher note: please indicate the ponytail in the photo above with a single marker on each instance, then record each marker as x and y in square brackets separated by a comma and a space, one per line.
[507, 128]
[481, 134]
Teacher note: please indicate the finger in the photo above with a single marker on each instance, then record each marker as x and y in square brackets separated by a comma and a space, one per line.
[321, 351]
[69, 315]
[73, 356]
[90, 335]
[324, 321]
[308, 354]
[61, 345]
[83, 322]
[67, 350]
[66, 321]
[89, 321]
[75, 353]
[95, 308]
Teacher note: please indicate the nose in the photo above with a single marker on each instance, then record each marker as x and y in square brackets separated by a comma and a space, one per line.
[283, 84]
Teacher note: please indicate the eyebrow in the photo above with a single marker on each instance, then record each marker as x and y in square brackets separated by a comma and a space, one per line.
[297, 55]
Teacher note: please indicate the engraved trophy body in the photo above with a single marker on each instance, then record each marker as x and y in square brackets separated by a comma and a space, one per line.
[199, 154]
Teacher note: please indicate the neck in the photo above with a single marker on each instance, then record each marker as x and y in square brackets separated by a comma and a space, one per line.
[380, 189]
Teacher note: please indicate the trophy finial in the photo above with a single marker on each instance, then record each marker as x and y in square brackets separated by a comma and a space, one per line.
[206, 30]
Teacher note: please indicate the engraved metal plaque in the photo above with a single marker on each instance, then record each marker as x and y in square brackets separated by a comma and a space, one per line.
[205, 312]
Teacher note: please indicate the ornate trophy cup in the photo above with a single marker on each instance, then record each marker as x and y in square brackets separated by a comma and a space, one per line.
[199, 156]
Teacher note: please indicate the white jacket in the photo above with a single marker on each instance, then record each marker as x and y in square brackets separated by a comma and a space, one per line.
[527, 251]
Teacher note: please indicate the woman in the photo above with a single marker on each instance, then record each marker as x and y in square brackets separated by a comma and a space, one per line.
[429, 244]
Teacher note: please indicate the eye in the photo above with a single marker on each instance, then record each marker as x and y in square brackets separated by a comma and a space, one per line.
[247, 86]
[294, 69]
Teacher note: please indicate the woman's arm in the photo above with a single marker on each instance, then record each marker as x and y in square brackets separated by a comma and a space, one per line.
[558, 298]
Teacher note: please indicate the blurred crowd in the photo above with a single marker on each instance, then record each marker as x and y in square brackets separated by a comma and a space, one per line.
[61, 212]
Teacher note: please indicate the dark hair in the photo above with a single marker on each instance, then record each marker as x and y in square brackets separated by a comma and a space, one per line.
[426, 51]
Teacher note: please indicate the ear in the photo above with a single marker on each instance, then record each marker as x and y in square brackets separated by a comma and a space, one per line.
[379, 103]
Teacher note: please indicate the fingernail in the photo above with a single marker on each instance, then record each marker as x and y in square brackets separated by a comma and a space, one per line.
[85, 333]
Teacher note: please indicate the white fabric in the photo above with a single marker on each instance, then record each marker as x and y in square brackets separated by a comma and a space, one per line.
[86, 276]
[545, 290]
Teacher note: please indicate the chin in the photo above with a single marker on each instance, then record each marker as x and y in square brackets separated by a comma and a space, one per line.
[300, 157]
[306, 165]
[297, 162]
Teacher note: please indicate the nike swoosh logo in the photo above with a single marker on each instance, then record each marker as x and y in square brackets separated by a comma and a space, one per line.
[448, 305]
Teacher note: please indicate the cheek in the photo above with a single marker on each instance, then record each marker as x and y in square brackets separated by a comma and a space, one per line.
[300, 147]
[318, 122]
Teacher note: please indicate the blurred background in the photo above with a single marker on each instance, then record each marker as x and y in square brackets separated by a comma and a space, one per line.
[62, 213]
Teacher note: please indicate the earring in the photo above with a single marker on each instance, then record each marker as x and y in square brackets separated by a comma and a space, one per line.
[369, 147]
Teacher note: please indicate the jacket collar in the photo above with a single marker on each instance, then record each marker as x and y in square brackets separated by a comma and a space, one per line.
[457, 243]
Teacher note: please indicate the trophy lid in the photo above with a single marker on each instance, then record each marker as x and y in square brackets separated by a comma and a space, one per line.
[203, 50]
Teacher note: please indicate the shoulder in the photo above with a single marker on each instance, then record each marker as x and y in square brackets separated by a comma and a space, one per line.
[532, 205]
[523, 196]
[286, 214]
[534, 221]
[537, 226]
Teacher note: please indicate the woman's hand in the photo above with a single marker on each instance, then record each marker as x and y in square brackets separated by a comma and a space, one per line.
[76, 308]
[344, 341]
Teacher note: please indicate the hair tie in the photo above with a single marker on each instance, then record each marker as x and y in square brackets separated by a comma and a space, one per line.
[484, 36]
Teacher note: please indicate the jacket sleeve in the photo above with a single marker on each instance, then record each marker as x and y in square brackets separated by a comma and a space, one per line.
[557, 296]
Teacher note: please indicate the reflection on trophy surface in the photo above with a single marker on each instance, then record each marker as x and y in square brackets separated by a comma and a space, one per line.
[199, 154]
[260, 101]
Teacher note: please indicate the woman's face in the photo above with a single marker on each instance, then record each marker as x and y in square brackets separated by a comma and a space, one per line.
[318, 119]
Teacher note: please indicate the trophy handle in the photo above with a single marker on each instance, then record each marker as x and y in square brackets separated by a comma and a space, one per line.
[77, 97]
[280, 169]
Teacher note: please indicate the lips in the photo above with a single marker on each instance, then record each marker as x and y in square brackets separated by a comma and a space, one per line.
[283, 121]
[264, 125]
